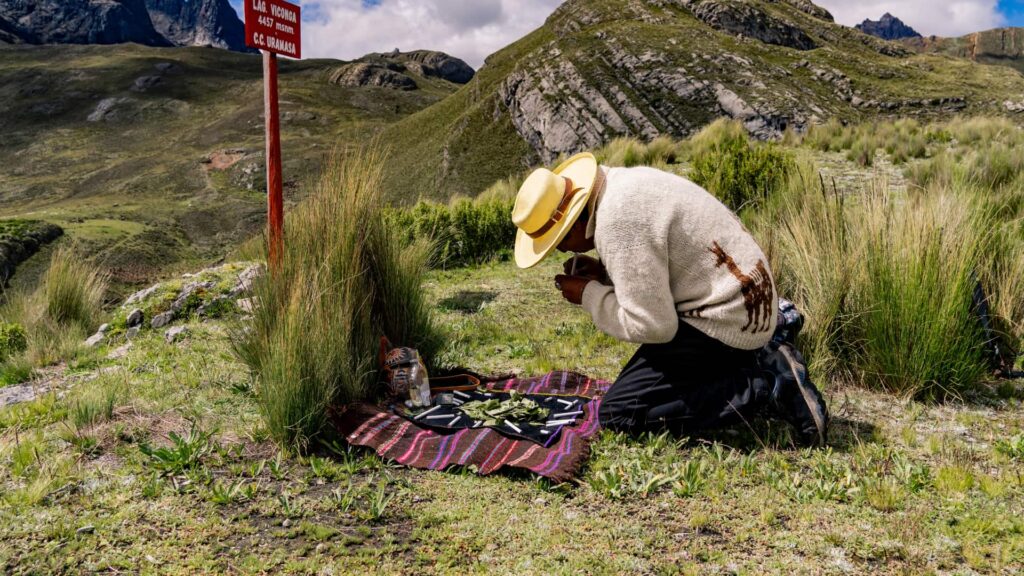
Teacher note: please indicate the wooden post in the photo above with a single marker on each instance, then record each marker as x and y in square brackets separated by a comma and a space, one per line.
[275, 200]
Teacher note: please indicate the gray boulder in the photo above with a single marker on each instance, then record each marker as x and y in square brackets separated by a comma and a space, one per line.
[135, 318]
[247, 305]
[183, 297]
[161, 320]
[175, 334]
[143, 83]
[142, 294]
[246, 279]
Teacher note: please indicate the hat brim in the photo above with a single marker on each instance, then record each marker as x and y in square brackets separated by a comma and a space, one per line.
[582, 170]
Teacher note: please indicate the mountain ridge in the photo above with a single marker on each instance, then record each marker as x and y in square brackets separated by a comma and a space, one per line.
[606, 68]
[149, 22]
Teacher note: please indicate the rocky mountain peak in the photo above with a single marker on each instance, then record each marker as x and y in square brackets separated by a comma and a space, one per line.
[888, 27]
[150, 22]
[199, 23]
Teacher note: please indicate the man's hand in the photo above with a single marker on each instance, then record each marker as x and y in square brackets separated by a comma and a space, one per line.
[587, 267]
[572, 287]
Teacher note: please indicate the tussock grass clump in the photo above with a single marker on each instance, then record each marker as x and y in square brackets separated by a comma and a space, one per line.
[741, 173]
[808, 229]
[73, 291]
[345, 279]
[56, 317]
[903, 140]
[628, 152]
[992, 165]
[916, 330]
[502, 190]
[886, 282]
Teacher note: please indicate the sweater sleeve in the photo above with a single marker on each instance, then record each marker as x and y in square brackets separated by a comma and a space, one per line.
[639, 307]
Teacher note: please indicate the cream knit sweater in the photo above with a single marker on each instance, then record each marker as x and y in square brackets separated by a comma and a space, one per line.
[673, 251]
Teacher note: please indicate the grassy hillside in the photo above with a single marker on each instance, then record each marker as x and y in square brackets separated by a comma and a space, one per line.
[151, 157]
[603, 68]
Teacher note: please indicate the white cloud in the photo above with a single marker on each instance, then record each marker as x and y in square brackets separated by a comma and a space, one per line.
[929, 17]
[468, 29]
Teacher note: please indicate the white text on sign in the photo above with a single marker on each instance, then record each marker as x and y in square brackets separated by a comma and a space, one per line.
[273, 26]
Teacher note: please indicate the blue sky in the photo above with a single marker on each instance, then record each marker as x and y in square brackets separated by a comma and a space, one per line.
[473, 29]
[1014, 11]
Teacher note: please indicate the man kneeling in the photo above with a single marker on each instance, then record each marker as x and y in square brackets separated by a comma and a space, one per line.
[680, 275]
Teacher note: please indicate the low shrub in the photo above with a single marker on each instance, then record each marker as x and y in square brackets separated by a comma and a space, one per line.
[346, 277]
[463, 232]
[739, 172]
[12, 340]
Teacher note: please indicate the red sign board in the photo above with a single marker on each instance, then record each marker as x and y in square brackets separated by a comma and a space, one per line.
[273, 26]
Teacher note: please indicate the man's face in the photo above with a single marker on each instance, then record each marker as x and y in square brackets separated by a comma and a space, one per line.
[576, 240]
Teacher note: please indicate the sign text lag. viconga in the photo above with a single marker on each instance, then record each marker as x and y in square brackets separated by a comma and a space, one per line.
[273, 25]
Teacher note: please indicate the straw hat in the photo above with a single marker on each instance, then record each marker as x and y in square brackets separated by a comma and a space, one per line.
[548, 204]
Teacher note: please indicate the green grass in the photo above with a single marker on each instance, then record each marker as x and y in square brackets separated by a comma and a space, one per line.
[166, 451]
[221, 497]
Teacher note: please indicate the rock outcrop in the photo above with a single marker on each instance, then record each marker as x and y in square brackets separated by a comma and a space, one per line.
[808, 7]
[199, 23]
[1001, 46]
[437, 64]
[398, 70]
[77, 22]
[359, 74]
[888, 27]
[19, 240]
[744, 19]
[150, 22]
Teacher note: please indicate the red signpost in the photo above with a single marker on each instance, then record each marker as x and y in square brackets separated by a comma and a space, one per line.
[273, 26]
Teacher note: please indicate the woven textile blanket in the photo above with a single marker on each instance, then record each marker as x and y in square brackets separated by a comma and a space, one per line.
[484, 449]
